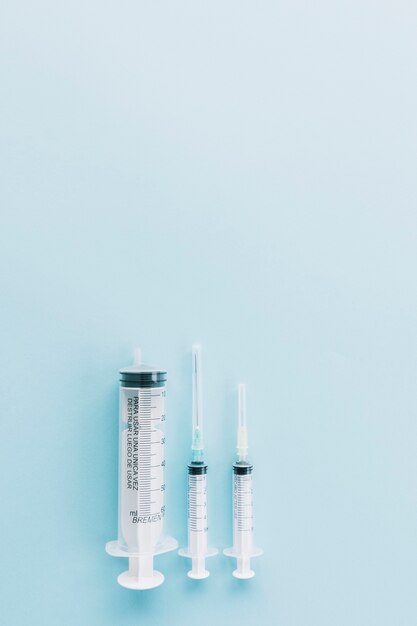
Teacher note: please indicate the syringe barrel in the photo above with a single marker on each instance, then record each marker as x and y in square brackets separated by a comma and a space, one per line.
[242, 508]
[141, 459]
[197, 508]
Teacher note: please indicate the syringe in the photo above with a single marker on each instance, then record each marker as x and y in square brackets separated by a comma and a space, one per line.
[141, 475]
[242, 549]
[197, 548]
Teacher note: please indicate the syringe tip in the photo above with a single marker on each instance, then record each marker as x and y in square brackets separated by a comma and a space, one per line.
[196, 357]
[242, 404]
[242, 433]
[197, 445]
[137, 356]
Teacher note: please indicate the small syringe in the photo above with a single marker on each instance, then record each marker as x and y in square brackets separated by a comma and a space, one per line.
[197, 548]
[242, 549]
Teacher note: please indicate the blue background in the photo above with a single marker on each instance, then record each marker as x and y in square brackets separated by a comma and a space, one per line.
[242, 174]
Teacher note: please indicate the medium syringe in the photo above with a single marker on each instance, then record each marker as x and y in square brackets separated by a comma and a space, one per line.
[242, 549]
[197, 548]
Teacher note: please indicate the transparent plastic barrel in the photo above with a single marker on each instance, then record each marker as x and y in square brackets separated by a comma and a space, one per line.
[242, 513]
[197, 514]
[141, 508]
[141, 461]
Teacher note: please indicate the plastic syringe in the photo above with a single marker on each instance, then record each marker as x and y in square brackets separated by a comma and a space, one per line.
[242, 549]
[197, 549]
[141, 475]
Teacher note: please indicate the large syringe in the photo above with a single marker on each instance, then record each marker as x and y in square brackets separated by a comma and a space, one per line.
[197, 548]
[242, 549]
[141, 475]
